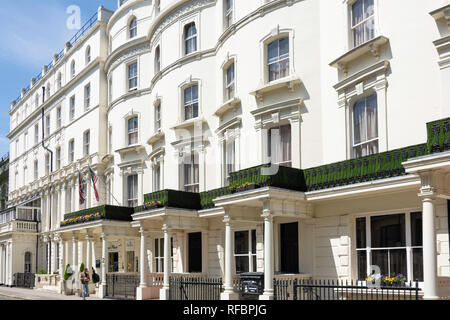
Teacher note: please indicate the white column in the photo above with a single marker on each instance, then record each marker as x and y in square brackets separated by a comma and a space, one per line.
[429, 249]
[61, 257]
[49, 256]
[102, 288]
[9, 258]
[88, 253]
[268, 254]
[228, 293]
[142, 290]
[164, 293]
[74, 253]
[296, 142]
[66, 254]
[62, 200]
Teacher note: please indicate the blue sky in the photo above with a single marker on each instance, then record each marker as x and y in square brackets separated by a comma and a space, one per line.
[31, 32]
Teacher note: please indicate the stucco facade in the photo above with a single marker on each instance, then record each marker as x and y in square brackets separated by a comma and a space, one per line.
[176, 95]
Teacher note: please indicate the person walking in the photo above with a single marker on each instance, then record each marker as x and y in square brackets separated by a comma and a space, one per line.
[85, 283]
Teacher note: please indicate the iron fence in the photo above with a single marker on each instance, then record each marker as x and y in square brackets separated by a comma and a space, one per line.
[23, 280]
[121, 286]
[190, 288]
[343, 290]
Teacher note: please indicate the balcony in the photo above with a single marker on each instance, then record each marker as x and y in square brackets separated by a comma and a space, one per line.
[104, 212]
[170, 199]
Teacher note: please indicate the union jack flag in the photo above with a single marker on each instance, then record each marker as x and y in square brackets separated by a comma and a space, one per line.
[81, 187]
[94, 179]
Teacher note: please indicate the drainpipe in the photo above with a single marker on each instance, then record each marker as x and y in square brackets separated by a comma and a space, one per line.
[51, 164]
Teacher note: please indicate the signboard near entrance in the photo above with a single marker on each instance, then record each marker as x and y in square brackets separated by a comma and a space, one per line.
[113, 246]
[129, 245]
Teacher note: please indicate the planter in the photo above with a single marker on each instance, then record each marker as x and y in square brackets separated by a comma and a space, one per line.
[67, 291]
[246, 188]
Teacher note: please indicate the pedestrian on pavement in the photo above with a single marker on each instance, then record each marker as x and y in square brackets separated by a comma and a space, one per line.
[95, 277]
[85, 283]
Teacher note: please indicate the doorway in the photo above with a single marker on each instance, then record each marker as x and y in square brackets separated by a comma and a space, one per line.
[195, 252]
[113, 262]
[289, 248]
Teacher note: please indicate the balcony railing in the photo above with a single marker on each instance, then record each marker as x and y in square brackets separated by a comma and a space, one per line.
[170, 198]
[438, 136]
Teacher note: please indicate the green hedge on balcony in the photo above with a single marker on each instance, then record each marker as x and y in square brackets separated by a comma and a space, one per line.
[369, 168]
[438, 136]
[108, 212]
[206, 198]
[173, 199]
[283, 177]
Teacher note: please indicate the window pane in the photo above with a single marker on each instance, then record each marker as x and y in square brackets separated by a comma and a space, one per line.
[362, 264]
[241, 242]
[360, 232]
[380, 259]
[416, 229]
[272, 51]
[284, 47]
[357, 12]
[388, 231]
[359, 116]
[274, 70]
[242, 264]
[417, 264]
[397, 260]
[156, 247]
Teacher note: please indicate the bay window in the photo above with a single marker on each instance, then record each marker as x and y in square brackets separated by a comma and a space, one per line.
[362, 22]
[365, 127]
[278, 59]
[279, 146]
[391, 242]
[245, 251]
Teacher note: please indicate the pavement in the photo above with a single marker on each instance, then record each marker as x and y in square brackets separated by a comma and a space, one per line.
[39, 294]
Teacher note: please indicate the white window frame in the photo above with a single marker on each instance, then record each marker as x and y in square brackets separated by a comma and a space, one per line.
[132, 30]
[71, 152]
[159, 258]
[190, 186]
[228, 86]
[86, 143]
[352, 27]
[47, 125]
[47, 164]
[367, 142]
[157, 177]
[133, 201]
[279, 60]
[408, 244]
[191, 103]
[36, 169]
[88, 55]
[187, 38]
[72, 102]
[228, 14]
[87, 97]
[132, 131]
[249, 255]
[158, 116]
[130, 78]
[157, 59]
[58, 158]
[72, 69]
[226, 166]
[289, 163]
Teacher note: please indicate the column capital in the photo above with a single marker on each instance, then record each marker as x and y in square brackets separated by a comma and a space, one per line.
[166, 228]
[103, 236]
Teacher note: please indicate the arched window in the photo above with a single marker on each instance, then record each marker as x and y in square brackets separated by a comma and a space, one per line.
[157, 60]
[365, 127]
[133, 28]
[72, 69]
[190, 38]
[88, 55]
[27, 266]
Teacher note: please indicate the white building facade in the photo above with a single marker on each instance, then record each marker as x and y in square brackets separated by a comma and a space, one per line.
[171, 102]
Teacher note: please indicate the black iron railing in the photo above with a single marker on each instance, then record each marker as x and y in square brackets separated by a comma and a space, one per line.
[192, 288]
[23, 280]
[342, 290]
[121, 286]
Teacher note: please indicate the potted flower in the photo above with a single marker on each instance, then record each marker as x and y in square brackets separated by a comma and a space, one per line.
[152, 204]
[246, 186]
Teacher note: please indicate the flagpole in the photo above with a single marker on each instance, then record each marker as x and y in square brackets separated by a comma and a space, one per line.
[104, 183]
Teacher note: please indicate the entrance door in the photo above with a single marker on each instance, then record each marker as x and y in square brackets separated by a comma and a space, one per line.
[289, 247]
[195, 252]
[113, 262]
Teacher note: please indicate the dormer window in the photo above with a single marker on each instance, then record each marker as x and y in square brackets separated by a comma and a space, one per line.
[133, 28]
[190, 38]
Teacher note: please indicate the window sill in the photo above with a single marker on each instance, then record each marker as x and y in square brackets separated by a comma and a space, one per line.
[350, 56]
[189, 123]
[288, 82]
[133, 148]
[227, 105]
[158, 135]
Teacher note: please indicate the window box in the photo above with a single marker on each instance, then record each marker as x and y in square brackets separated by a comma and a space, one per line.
[286, 82]
[350, 56]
